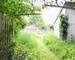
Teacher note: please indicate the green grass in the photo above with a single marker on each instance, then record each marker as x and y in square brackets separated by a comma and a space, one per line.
[65, 51]
[31, 47]
[48, 47]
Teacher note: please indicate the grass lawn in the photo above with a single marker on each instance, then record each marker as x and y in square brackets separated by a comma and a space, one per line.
[63, 50]
[30, 46]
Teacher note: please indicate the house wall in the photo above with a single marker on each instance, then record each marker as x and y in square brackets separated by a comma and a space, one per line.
[71, 30]
[71, 20]
[56, 28]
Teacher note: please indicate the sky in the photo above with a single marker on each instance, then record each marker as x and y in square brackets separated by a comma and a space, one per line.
[49, 14]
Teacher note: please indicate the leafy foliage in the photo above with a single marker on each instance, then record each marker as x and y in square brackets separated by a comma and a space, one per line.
[29, 46]
[17, 7]
[38, 21]
[12, 23]
[63, 26]
[65, 51]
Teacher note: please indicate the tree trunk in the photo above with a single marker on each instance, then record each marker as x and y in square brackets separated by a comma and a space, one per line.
[1, 23]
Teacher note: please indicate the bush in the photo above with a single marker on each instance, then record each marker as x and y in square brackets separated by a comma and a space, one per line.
[30, 46]
[63, 50]
[25, 47]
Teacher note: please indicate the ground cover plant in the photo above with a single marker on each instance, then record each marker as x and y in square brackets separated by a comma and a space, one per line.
[31, 47]
[48, 47]
[64, 50]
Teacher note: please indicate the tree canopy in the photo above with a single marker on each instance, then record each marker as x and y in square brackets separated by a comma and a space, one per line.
[38, 21]
[12, 23]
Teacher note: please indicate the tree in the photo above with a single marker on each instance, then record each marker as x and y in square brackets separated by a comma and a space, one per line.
[12, 22]
[38, 21]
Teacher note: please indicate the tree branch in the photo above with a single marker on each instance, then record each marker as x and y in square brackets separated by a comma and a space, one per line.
[67, 7]
[58, 16]
[28, 14]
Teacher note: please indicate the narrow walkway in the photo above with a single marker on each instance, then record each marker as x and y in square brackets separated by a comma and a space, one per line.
[43, 49]
[36, 46]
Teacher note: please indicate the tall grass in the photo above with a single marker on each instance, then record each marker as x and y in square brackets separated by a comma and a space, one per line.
[30, 47]
[63, 50]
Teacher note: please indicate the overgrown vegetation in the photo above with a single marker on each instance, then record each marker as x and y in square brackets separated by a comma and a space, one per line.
[11, 11]
[48, 47]
[22, 46]
[30, 46]
[65, 51]
[64, 27]
[37, 21]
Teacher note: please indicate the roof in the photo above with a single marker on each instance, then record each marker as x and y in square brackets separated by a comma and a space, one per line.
[70, 5]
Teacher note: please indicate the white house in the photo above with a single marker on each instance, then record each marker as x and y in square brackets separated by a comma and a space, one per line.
[71, 20]
[71, 16]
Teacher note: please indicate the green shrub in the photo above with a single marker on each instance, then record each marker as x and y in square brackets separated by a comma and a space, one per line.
[30, 46]
[25, 47]
[63, 50]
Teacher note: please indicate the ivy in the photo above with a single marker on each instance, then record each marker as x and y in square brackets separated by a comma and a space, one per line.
[63, 26]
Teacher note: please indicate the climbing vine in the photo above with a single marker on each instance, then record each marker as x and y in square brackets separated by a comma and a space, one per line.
[64, 26]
